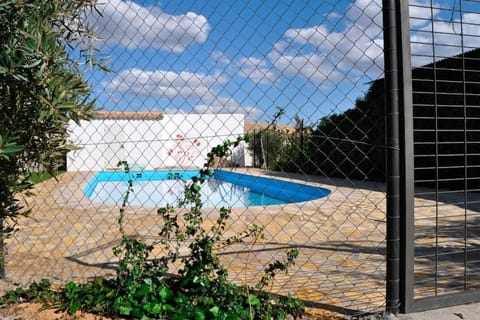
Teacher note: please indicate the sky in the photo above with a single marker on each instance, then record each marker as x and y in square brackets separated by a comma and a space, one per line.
[310, 58]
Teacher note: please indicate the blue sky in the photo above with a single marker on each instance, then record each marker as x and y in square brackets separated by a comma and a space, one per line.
[312, 58]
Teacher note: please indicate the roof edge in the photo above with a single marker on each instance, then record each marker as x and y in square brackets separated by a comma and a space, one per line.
[124, 115]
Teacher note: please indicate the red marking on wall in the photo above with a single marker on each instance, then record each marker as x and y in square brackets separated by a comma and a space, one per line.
[185, 151]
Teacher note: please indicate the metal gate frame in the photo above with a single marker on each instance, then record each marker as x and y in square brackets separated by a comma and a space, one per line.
[400, 169]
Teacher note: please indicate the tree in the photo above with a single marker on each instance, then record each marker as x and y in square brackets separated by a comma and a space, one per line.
[267, 146]
[42, 88]
[295, 150]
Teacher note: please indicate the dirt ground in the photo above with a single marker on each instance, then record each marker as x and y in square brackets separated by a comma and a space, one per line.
[35, 311]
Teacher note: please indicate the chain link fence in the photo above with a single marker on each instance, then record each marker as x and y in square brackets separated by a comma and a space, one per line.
[186, 76]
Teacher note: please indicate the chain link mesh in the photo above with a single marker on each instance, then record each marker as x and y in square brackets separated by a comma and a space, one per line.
[186, 77]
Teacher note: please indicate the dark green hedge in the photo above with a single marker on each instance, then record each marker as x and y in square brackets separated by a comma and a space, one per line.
[446, 122]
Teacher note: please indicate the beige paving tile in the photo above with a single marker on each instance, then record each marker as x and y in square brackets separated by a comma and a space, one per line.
[341, 239]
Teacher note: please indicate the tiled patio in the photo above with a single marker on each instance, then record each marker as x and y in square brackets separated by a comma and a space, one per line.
[341, 239]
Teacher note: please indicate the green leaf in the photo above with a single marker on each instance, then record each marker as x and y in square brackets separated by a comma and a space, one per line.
[168, 307]
[20, 77]
[253, 300]
[199, 314]
[125, 310]
[74, 307]
[137, 313]
[71, 289]
[232, 316]
[98, 281]
[143, 291]
[66, 106]
[165, 293]
[8, 146]
[152, 307]
[10, 149]
[214, 310]
[110, 294]
[33, 64]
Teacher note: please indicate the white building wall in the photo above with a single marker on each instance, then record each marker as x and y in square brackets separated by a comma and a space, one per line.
[178, 140]
[90, 156]
[189, 143]
[246, 157]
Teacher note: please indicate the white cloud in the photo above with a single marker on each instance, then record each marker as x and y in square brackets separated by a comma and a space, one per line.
[174, 111]
[471, 29]
[229, 105]
[354, 48]
[366, 15]
[133, 26]
[220, 58]
[326, 56]
[447, 38]
[171, 85]
[313, 67]
[333, 15]
[167, 84]
[256, 69]
[420, 12]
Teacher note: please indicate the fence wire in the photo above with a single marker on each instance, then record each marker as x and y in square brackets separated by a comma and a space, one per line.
[190, 75]
[446, 82]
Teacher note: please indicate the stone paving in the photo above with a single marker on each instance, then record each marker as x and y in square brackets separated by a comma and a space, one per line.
[341, 239]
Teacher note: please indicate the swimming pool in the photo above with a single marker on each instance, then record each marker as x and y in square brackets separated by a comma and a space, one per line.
[225, 188]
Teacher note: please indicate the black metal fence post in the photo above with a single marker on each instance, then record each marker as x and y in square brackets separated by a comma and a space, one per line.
[390, 12]
[399, 151]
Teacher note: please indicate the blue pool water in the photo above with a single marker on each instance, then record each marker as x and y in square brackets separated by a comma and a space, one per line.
[225, 188]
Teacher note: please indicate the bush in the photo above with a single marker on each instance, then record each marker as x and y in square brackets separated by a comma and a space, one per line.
[41, 90]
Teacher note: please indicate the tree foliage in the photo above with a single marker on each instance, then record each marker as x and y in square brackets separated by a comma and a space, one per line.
[41, 88]
[351, 144]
